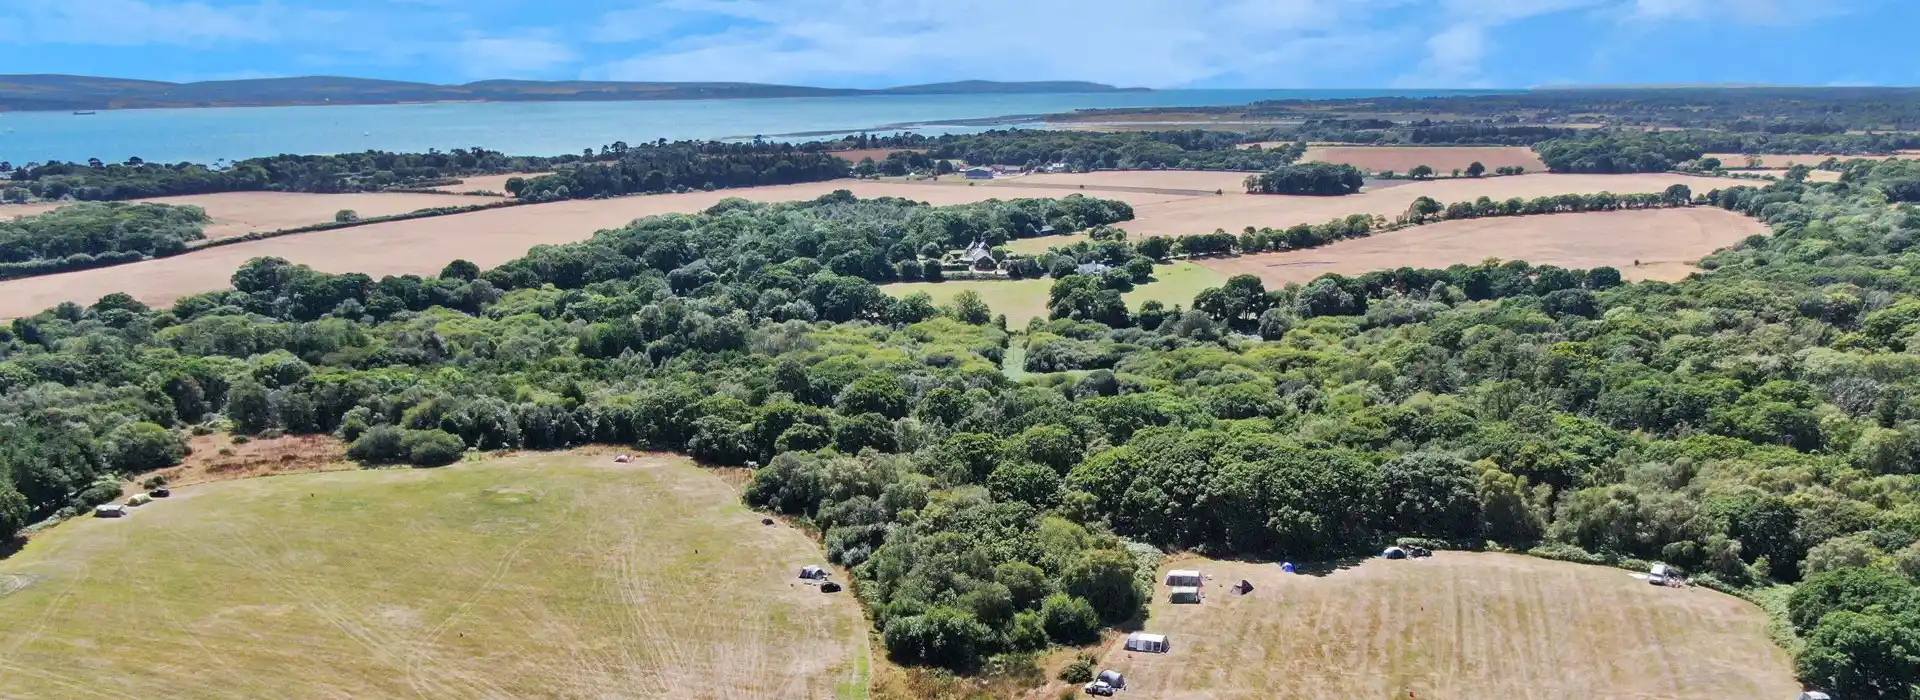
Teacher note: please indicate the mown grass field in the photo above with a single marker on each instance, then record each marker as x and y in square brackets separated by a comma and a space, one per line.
[1458, 625]
[552, 575]
[1024, 300]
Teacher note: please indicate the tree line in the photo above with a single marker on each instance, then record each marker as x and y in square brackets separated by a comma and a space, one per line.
[350, 172]
[93, 235]
[1316, 178]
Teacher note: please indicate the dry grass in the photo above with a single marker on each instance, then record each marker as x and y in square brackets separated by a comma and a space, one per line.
[1443, 159]
[1739, 160]
[1664, 241]
[1458, 625]
[1233, 212]
[552, 575]
[487, 183]
[215, 457]
[488, 238]
[1184, 182]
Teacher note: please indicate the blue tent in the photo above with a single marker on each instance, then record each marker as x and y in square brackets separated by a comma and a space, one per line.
[1286, 567]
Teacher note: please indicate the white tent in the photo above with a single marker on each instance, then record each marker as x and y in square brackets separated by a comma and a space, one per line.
[139, 499]
[1150, 643]
[813, 572]
[109, 511]
[1183, 577]
[1184, 594]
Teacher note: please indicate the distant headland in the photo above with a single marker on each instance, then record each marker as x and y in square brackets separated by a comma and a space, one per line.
[72, 92]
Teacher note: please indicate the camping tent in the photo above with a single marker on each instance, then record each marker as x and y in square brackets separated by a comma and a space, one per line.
[1184, 594]
[1150, 643]
[1394, 553]
[1183, 577]
[1112, 678]
[813, 572]
[139, 499]
[1286, 567]
[109, 511]
[1243, 587]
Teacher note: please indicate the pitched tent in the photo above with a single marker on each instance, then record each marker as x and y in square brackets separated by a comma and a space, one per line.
[1243, 587]
[1150, 643]
[813, 572]
[1184, 594]
[1112, 678]
[109, 511]
[1394, 553]
[1183, 577]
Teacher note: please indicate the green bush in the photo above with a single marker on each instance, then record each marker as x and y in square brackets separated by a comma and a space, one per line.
[433, 448]
[1080, 671]
[98, 494]
[380, 444]
[1069, 620]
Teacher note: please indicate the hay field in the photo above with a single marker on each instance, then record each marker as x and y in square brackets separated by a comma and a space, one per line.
[491, 183]
[1458, 625]
[1739, 160]
[1442, 159]
[1665, 241]
[1233, 212]
[239, 213]
[1177, 181]
[488, 238]
[1025, 300]
[552, 575]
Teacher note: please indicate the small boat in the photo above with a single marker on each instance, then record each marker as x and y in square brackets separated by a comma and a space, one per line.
[84, 114]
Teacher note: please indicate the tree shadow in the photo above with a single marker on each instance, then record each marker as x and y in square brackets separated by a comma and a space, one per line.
[11, 546]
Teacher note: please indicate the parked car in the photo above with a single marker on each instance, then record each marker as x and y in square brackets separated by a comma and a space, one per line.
[1099, 688]
[161, 492]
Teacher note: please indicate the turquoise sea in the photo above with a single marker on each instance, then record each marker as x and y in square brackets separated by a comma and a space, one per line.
[541, 128]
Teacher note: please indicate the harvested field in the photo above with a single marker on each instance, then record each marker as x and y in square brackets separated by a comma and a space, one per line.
[240, 213]
[488, 238]
[1187, 182]
[877, 154]
[1442, 159]
[489, 183]
[1236, 211]
[1025, 300]
[550, 575]
[1457, 625]
[1739, 160]
[1665, 241]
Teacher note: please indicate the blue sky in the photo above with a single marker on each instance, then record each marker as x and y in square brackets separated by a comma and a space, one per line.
[876, 43]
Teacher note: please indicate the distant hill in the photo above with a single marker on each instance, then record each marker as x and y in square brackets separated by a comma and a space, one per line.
[72, 92]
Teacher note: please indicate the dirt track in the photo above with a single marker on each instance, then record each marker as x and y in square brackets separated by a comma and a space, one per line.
[1665, 241]
[424, 246]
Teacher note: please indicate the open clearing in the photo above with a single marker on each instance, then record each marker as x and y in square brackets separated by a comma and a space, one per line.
[487, 183]
[1443, 159]
[1739, 160]
[488, 238]
[1665, 241]
[1457, 625]
[1025, 300]
[552, 575]
[240, 213]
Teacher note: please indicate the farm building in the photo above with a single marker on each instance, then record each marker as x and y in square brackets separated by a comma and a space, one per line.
[1183, 577]
[1150, 643]
[1184, 594]
[979, 174]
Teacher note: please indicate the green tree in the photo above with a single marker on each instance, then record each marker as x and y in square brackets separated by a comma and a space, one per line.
[1475, 169]
[968, 307]
[1862, 656]
[1105, 579]
[1069, 620]
[140, 447]
[346, 216]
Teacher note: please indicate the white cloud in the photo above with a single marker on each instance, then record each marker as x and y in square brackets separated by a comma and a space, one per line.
[1129, 42]
[1765, 12]
[137, 22]
[509, 57]
[1455, 54]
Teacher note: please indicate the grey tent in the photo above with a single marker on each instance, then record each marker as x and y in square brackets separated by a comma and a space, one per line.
[813, 572]
[1394, 553]
[1184, 594]
[1243, 587]
[1112, 678]
[1150, 643]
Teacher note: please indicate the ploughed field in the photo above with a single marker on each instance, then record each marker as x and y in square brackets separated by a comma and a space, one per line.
[1457, 625]
[1165, 203]
[1664, 242]
[548, 575]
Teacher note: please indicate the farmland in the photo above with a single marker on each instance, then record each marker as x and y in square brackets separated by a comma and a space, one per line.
[553, 575]
[1664, 241]
[1443, 159]
[1024, 300]
[486, 183]
[423, 246]
[239, 213]
[1739, 160]
[1458, 625]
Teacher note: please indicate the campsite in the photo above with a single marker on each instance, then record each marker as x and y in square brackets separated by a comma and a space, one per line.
[551, 575]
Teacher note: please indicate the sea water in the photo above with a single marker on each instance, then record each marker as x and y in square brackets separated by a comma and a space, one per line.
[209, 135]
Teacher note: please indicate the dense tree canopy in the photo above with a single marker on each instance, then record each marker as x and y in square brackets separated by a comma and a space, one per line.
[90, 235]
